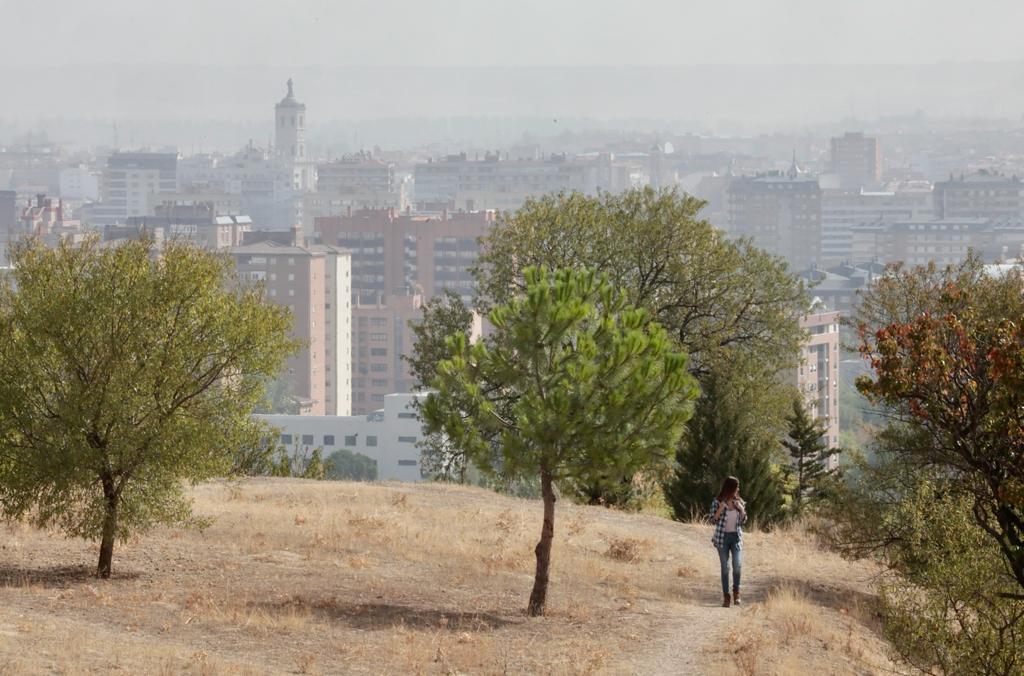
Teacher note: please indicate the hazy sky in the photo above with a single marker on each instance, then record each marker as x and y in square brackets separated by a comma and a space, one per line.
[332, 33]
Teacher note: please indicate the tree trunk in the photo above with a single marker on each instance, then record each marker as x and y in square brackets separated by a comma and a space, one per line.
[109, 532]
[543, 549]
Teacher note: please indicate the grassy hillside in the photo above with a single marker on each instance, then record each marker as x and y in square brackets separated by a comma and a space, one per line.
[294, 576]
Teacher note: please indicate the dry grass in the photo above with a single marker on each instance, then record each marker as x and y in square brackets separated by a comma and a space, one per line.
[307, 577]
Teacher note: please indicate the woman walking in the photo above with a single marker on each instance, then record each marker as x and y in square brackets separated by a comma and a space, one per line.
[728, 514]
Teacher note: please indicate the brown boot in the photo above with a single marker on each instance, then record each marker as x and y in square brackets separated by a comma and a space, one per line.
[735, 597]
[726, 601]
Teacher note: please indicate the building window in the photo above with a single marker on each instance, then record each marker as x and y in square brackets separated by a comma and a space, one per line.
[291, 292]
[405, 414]
[291, 261]
[371, 440]
[328, 440]
[378, 351]
[379, 368]
[350, 439]
[407, 463]
[286, 439]
[407, 440]
[307, 439]
[291, 276]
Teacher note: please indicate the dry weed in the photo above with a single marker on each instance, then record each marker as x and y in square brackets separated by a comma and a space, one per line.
[627, 550]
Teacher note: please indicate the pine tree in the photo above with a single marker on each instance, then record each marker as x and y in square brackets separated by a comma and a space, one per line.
[809, 452]
[721, 440]
[597, 393]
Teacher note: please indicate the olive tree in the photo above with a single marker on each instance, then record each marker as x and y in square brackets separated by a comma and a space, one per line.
[125, 372]
[574, 385]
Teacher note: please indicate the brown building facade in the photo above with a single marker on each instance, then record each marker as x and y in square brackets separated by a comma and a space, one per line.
[399, 261]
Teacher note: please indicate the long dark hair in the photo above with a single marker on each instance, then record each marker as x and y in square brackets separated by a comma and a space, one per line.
[729, 488]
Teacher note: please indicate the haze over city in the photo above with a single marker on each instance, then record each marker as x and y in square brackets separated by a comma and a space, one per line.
[727, 67]
[494, 336]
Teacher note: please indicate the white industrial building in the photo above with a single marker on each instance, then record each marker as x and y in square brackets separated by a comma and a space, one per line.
[389, 436]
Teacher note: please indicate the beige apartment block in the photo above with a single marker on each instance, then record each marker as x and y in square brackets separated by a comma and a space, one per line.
[314, 283]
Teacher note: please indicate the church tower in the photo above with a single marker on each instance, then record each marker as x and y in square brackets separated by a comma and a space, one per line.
[290, 127]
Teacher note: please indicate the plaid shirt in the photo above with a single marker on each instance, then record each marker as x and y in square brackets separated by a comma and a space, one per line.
[719, 535]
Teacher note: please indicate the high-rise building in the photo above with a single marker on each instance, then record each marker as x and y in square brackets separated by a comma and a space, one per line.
[983, 194]
[856, 159]
[817, 376]
[129, 180]
[403, 253]
[313, 282]
[381, 337]
[399, 261]
[780, 212]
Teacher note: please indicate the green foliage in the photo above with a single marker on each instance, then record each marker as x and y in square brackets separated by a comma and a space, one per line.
[575, 386]
[722, 439]
[349, 466]
[277, 397]
[314, 467]
[947, 352]
[581, 366]
[123, 373]
[946, 601]
[256, 456]
[809, 453]
[443, 316]
[722, 302]
[717, 298]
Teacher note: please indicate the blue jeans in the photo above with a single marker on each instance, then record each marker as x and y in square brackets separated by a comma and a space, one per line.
[730, 543]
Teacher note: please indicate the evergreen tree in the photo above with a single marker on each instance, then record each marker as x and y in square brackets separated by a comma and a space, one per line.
[574, 386]
[721, 440]
[809, 452]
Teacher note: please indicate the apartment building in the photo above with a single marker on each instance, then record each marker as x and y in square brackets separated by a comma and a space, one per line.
[129, 180]
[314, 283]
[817, 376]
[842, 210]
[856, 159]
[780, 212]
[399, 261]
[983, 194]
[946, 241]
[494, 182]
